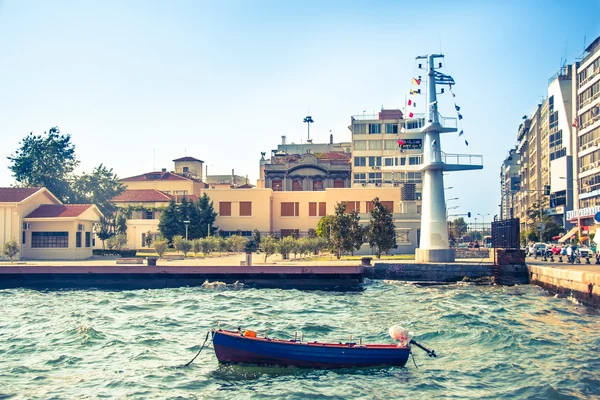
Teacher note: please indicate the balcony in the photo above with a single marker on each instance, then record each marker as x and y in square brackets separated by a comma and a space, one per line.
[453, 162]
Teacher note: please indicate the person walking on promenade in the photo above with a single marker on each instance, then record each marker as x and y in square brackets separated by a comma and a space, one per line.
[570, 255]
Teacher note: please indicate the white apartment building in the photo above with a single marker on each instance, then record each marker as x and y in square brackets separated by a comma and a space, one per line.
[377, 157]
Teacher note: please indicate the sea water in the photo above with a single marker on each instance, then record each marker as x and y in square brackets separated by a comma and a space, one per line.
[492, 342]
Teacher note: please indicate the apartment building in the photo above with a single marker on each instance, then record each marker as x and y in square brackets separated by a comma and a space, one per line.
[387, 151]
[587, 143]
[510, 182]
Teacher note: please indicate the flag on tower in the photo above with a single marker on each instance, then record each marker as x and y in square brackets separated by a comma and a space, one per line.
[401, 142]
[467, 143]
[413, 92]
[461, 133]
[403, 130]
[457, 107]
[411, 103]
[459, 116]
[410, 115]
[416, 81]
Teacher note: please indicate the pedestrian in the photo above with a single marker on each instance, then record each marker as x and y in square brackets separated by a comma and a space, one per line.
[570, 254]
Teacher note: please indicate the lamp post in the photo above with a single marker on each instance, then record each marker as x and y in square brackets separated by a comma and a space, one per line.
[482, 224]
[186, 229]
[308, 120]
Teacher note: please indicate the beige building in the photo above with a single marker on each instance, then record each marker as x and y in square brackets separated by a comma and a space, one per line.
[246, 209]
[44, 227]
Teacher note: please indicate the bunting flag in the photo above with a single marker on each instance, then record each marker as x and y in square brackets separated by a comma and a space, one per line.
[401, 142]
[457, 107]
[575, 123]
[460, 116]
[415, 92]
[410, 115]
[461, 133]
[416, 81]
[403, 130]
[467, 143]
[411, 103]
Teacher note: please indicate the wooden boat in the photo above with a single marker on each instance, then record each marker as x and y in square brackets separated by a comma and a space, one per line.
[246, 348]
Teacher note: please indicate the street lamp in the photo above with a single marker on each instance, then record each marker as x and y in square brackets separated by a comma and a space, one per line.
[186, 229]
[449, 187]
[308, 120]
[482, 224]
[454, 198]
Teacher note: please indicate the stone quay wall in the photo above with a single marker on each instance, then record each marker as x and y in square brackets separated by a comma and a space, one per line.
[580, 284]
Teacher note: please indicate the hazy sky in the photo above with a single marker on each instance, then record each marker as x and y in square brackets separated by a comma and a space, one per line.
[222, 81]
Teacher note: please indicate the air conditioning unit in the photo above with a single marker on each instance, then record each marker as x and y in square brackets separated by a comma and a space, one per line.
[80, 227]
[26, 226]
[395, 183]
[378, 184]
[364, 184]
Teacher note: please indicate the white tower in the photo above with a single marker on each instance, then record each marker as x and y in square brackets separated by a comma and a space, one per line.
[434, 246]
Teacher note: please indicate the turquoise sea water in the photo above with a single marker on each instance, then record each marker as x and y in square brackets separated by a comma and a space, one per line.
[492, 342]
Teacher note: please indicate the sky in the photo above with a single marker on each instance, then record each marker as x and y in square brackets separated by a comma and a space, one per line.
[140, 83]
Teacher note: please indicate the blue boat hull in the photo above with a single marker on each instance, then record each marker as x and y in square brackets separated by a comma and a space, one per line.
[232, 347]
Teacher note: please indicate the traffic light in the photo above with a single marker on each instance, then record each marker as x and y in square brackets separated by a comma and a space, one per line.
[469, 215]
[546, 190]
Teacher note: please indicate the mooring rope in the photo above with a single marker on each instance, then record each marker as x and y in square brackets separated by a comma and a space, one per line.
[197, 354]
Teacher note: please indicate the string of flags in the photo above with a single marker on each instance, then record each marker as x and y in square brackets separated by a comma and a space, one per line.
[411, 103]
[460, 117]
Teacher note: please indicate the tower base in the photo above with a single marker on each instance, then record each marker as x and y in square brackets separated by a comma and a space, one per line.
[435, 255]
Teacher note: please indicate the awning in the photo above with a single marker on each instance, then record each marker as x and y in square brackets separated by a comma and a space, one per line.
[569, 235]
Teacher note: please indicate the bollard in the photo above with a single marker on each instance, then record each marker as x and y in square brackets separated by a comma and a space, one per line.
[587, 260]
[597, 258]
[560, 258]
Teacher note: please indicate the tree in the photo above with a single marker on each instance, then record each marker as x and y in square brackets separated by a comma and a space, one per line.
[46, 160]
[11, 249]
[103, 231]
[116, 242]
[357, 232]
[269, 246]
[99, 188]
[324, 226]
[459, 228]
[160, 246]
[342, 238]
[382, 232]
[286, 246]
[207, 215]
[197, 246]
[177, 239]
[170, 223]
[185, 246]
[256, 237]
[237, 243]
[148, 239]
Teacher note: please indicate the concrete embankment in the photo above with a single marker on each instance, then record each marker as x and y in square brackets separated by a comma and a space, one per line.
[449, 272]
[144, 277]
[581, 282]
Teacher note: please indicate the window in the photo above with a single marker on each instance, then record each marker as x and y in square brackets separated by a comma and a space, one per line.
[352, 205]
[389, 161]
[289, 209]
[391, 128]
[322, 209]
[402, 161]
[290, 232]
[316, 209]
[389, 205]
[245, 208]
[360, 178]
[186, 169]
[49, 239]
[402, 236]
[359, 129]
[318, 186]
[375, 145]
[360, 161]
[88, 239]
[296, 185]
[360, 145]
[374, 161]
[78, 239]
[413, 160]
[276, 185]
[390, 144]
[374, 177]
[148, 215]
[225, 209]
[374, 129]
[24, 237]
[338, 183]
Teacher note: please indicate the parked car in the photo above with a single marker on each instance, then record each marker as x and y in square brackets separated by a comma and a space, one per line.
[540, 249]
[585, 252]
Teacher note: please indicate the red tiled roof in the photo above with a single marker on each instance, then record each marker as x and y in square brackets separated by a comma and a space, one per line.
[141, 195]
[334, 155]
[187, 159]
[155, 176]
[16, 195]
[188, 197]
[58, 211]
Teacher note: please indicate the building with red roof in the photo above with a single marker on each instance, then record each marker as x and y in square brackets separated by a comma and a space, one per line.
[45, 228]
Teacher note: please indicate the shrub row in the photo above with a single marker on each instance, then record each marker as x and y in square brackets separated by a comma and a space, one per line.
[121, 253]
